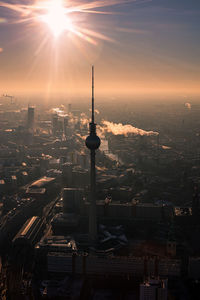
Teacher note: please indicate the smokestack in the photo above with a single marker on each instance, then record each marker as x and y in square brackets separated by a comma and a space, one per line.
[92, 142]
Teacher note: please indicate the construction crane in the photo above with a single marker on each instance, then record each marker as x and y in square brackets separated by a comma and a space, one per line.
[11, 98]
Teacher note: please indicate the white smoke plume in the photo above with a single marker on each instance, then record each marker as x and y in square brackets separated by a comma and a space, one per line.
[83, 137]
[188, 105]
[96, 111]
[60, 111]
[118, 129]
[56, 110]
[84, 119]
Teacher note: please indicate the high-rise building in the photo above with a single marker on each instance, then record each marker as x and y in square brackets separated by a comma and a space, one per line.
[65, 125]
[196, 203]
[30, 117]
[92, 142]
[54, 124]
[154, 289]
[171, 241]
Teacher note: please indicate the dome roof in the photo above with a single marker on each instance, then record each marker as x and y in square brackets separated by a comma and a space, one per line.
[92, 142]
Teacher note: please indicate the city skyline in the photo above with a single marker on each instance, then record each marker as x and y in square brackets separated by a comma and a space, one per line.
[137, 47]
[99, 153]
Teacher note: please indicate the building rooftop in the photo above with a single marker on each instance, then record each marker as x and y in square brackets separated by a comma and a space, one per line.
[183, 211]
[42, 182]
[57, 243]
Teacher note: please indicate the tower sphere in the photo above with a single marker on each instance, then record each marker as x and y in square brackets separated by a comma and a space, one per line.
[92, 142]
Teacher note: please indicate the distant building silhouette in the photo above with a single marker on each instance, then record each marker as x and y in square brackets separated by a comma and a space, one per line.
[54, 124]
[30, 117]
[69, 108]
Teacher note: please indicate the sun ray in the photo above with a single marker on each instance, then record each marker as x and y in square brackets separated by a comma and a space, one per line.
[85, 37]
[58, 15]
[101, 4]
[55, 18]
[96, 35]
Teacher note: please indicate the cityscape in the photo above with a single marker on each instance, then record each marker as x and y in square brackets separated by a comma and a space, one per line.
[99, 188]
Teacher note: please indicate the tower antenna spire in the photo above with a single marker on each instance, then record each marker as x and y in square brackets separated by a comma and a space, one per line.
[92, 94]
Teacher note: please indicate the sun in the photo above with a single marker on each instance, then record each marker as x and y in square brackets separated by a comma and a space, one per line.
[56, 17]
[61, 16]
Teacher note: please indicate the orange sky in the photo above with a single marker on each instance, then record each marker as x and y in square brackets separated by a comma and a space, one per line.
[145, 48]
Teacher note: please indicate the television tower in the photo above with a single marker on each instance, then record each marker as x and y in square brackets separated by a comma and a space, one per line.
[92, 142]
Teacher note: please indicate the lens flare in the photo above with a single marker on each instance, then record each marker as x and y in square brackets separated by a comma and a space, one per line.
[64, 15]
[57, 18]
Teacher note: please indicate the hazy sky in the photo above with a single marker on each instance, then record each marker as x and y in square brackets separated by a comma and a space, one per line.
[136, 46]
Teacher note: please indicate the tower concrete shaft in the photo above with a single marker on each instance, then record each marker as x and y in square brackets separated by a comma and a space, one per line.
[92, 216]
